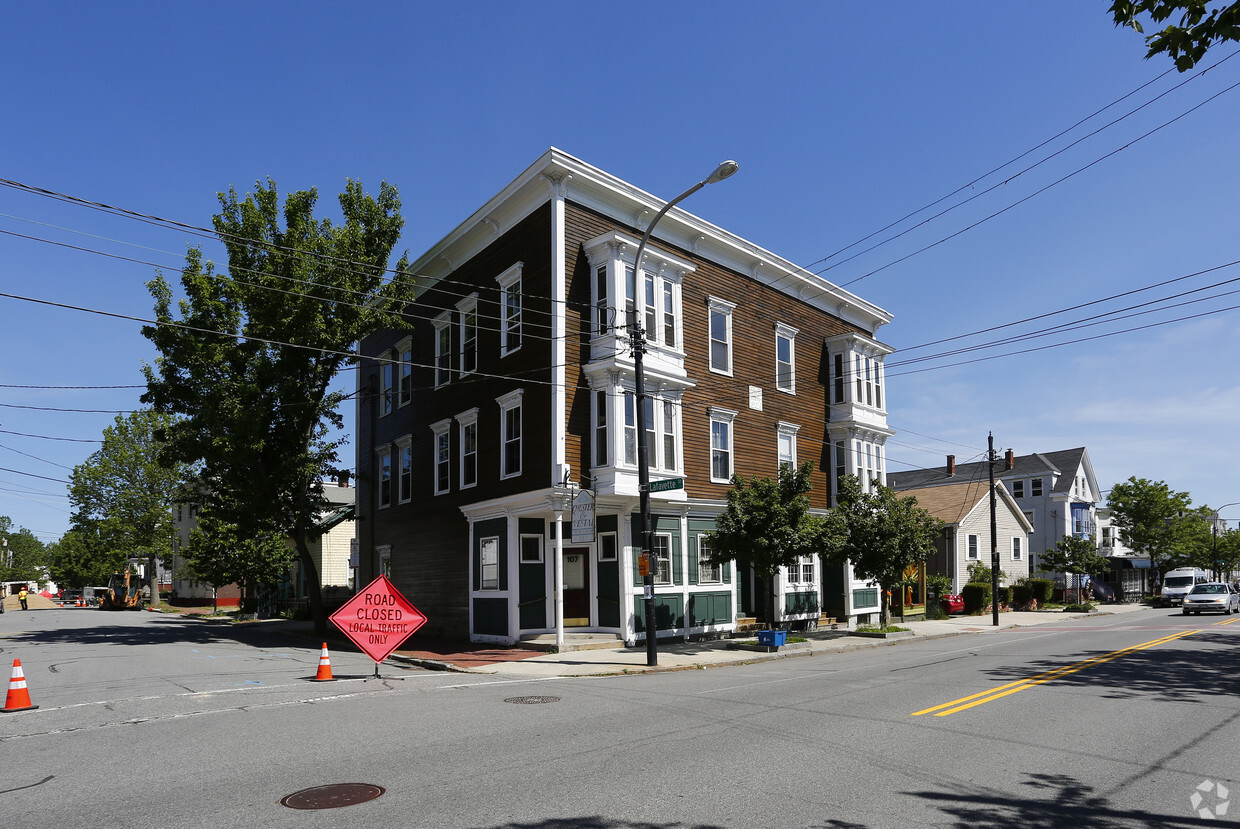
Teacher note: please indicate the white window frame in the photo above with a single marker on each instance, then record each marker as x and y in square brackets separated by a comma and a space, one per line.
[663, 568]
[802, 572]
[602, 287]
[1017, 548]
[467, 333]
[665, 420]
[608, 547]
[511, 309]
[488, 548]
[723, 309]
[971, 547]
[404, 352]
[727, 419]
[786, 370]
[708, 572]
[1018, 489]
[786, 434]
[467, 422]
[441, 461]
[508, 403]
[383, 490]
[1035, 488]
[601, 450]
[387, 389]
[403, 472]
[657, 286]
[534, 541]
[443, 348]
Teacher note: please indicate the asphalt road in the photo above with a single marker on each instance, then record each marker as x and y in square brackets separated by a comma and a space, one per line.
[153, 720]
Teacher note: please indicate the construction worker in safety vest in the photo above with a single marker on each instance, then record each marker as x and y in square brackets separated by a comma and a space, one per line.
[21, 597]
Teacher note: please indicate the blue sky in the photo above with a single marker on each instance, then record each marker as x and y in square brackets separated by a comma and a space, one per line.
[844, 118]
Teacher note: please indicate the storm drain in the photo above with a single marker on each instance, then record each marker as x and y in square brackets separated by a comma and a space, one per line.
[531, 700]
[332, 797]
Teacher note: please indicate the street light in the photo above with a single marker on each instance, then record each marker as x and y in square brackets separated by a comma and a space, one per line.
[721, 172]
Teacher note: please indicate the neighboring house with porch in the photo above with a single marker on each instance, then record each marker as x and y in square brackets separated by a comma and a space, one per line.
[512, 386]
[964, 509]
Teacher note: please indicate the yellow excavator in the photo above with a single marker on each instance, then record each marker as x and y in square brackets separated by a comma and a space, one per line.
[124, 592]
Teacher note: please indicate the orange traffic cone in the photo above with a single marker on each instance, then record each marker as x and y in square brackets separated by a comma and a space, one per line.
[19, 697]
[325, 667]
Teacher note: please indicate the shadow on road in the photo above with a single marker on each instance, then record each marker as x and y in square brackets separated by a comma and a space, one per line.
[1050, 801]
[166, 629]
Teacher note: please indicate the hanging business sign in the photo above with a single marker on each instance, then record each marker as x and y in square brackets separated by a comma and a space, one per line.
[583, 518]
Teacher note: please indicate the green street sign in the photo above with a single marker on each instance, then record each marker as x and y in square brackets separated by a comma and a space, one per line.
[670, 483]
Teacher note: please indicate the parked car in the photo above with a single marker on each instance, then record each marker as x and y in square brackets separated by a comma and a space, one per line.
[1210, 597]
[953, 603]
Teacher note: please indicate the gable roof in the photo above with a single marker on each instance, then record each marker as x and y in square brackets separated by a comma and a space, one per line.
[1062, 464]
[952, 503]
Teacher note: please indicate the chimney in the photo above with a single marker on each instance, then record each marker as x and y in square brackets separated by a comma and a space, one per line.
[951, 466]
[1009, 461]
[342, 478]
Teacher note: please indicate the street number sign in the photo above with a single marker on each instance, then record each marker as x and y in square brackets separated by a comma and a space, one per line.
[378, 619]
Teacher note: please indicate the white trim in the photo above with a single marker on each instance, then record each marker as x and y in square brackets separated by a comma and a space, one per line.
[506, 281]
[404, 444]
[714, 305]
[440, 430]
[464, 420]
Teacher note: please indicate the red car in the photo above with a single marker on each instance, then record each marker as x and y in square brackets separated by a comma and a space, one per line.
[953, 603]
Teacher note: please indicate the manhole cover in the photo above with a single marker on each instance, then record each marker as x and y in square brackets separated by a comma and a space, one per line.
[531, 700]
[332, 797]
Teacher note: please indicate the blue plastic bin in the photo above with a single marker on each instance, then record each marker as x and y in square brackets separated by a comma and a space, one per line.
[772, 638]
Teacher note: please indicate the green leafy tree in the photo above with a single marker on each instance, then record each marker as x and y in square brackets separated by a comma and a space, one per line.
[1149, 517]
[880, 533]
[81, 558]
[249, 360]
[1075, 555]
[768, 525]
[1225, 550]
[220, 553]
[23, 557]
[1200, 25]
[122, 495]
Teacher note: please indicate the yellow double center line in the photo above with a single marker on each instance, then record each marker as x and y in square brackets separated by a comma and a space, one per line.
[1040, 679]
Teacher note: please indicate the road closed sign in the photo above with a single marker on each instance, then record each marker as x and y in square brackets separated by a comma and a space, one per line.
[378, 619]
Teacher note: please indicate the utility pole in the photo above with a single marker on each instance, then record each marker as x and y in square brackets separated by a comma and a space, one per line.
[994, 537]
[643, 486]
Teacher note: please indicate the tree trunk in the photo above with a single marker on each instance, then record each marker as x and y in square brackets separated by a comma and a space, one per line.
[152, 578]
[314, 591]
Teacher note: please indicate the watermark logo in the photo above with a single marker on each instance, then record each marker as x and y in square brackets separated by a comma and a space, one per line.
[1210, 800]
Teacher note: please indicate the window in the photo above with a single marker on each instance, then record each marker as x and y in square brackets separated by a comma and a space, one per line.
[510, 311]
[972, 546]
[469, 447]
[878, 384]
[601, 299]
[385, 477]
[467, 321]
[531, 549]
[787, 445]
[669, 314]
[841, 464]
[709, 572]
[721, 444]
[443, 349]
[785, 353]
[839, 378]
[1035, 487]
[443, 456]
[510, 450]
[801, 572]
[720, 335]
[663, 554]
[607, 547]
[1016, 548]
[404, 350]
[1018, 489]
[600, 429]
[630, 428]
[660, 422]
[387, 371]
[404, 470]
[488, 564]
[653, 302]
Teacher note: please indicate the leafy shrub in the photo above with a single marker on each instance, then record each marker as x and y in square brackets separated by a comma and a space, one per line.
[1022, 594]
[1083, 607]
[1043, 589]
[1005, 596]
[976, 596]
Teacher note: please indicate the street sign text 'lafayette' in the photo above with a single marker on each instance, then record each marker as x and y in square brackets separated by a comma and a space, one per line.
[378, 619]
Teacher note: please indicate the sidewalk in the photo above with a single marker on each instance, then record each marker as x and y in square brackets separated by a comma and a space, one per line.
[676, 655]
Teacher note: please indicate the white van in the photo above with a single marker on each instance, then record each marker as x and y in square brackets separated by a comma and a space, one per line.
[1178, 582]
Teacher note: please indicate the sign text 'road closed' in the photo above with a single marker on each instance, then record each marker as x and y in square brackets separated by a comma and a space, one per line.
[378, 619]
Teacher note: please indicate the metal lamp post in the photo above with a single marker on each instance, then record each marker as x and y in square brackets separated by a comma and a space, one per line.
[721, 172]
[1218, 568]
[561, 500]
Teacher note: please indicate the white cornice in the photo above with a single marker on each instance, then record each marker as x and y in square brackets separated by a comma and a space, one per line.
[600, 191]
